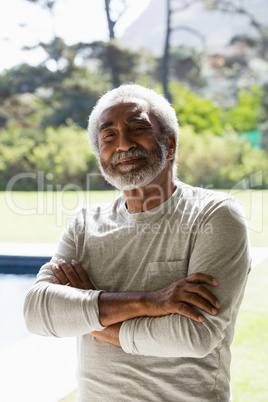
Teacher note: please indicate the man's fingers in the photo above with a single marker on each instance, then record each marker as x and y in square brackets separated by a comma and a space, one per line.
[81, 273]
[205, 294]
[73, 273]
[199, 277]
[188, 311]
[60, 275]
[65, 273]
[199, 302]
[56, 281]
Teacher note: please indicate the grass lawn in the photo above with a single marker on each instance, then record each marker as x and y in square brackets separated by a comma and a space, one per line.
[41, 217]
[250, 347]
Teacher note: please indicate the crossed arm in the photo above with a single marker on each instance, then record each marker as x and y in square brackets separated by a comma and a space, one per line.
[180, 297]
[165, 322]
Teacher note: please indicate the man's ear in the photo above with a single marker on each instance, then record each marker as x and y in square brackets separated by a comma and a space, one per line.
[171, 146]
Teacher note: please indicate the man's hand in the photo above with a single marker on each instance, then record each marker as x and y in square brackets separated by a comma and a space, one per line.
[72, 274]
[182, 296]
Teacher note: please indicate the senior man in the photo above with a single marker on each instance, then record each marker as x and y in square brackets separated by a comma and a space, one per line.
[154, 280]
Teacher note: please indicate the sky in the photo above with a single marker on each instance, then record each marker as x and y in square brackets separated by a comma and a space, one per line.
[25, 24]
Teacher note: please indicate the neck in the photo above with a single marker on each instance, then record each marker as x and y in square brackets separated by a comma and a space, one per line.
[155, 193]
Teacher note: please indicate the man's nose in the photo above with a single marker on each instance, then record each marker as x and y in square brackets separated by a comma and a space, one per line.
[125, 142]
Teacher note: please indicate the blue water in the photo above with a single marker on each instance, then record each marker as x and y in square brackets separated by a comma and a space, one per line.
[13, 289]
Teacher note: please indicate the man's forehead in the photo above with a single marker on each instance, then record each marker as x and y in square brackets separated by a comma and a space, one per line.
[132, 106]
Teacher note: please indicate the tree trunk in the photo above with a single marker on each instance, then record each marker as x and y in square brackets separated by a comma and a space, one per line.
[114, 73]
[111, 23]
[166, 54]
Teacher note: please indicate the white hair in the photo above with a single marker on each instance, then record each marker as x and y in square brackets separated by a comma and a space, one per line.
[159, 106]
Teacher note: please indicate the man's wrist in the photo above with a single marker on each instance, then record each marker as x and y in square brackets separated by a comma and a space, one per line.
[152, 304]
[119, 307]
[110, 334]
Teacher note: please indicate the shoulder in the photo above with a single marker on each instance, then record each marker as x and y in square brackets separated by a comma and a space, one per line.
[207, 203]
[201, 195]
[97, 212]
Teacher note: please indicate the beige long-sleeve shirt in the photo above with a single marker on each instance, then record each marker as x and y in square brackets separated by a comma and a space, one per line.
[169, 358]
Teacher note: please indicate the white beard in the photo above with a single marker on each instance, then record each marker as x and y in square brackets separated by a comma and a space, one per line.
[134, 177]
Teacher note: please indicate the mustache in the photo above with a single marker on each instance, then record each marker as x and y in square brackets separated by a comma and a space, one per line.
[126, 154]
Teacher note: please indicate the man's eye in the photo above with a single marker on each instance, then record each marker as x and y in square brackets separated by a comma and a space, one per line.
[108, 137]
[138, 129]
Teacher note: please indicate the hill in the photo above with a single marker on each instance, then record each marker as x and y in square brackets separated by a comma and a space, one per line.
[148, 31]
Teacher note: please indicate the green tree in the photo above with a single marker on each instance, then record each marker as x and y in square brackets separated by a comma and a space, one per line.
[185, 65]
[58, 51]
[263, 115]
[193, 110]
[25, 78]
[62, 155]
[49, 5]
[22, 89]
[35, 96]
[125, 61]
[110, 55]
[244, 116]
[218, 162]
[171, 9]
[73, 98]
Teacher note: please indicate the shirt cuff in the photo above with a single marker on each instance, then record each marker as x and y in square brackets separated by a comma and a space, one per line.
[94, 312]
[126, 336]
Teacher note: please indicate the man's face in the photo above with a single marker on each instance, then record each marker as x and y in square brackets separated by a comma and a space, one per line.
[132, 152]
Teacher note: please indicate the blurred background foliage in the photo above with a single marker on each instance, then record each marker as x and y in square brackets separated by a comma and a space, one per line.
[44, 112]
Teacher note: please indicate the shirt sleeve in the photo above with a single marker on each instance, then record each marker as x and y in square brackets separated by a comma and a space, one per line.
[221, 249]
[60, 311]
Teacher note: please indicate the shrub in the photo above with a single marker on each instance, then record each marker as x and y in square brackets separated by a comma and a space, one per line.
[218, 161]
[63, 155]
